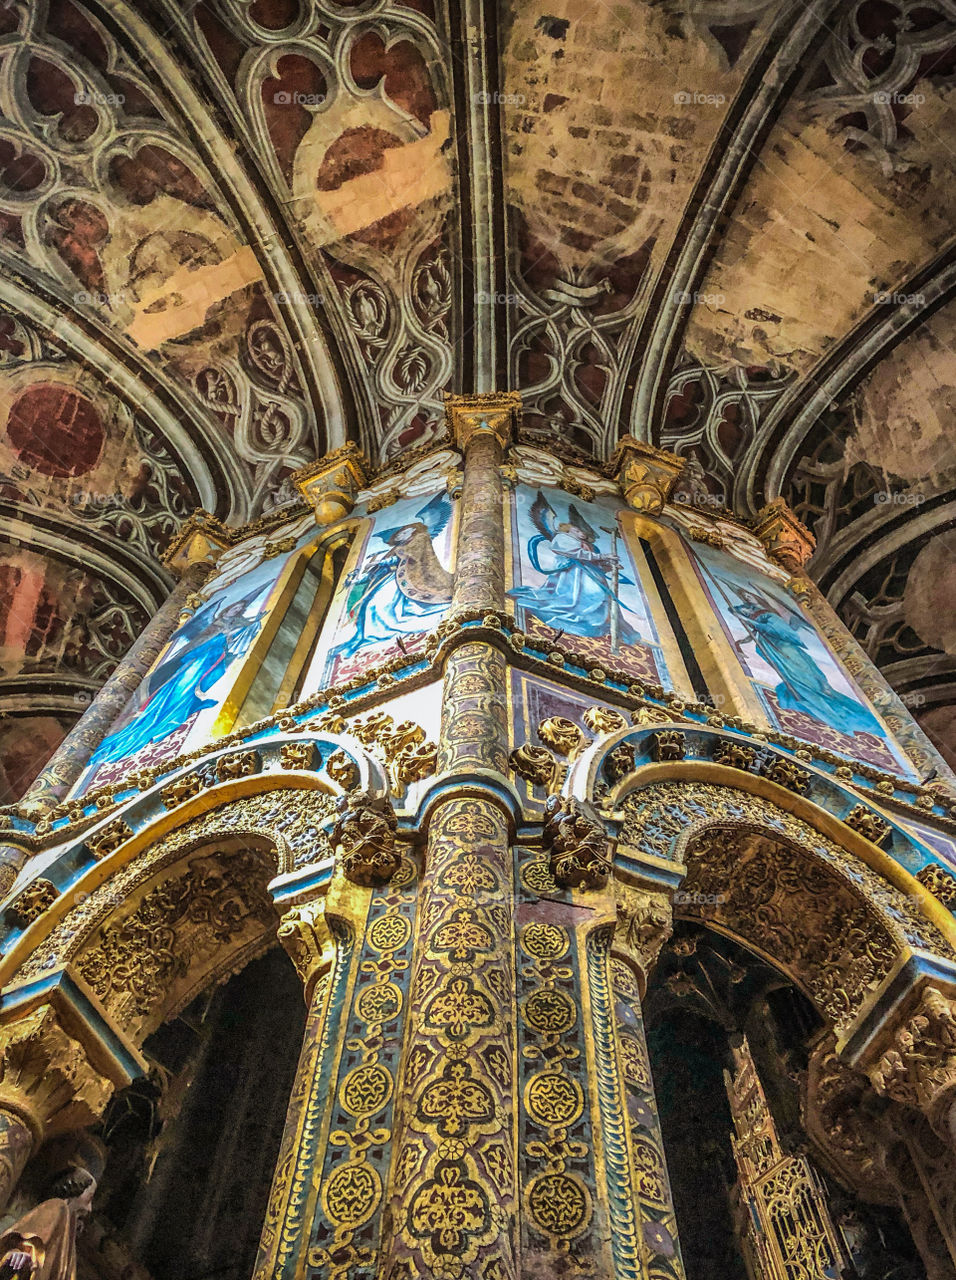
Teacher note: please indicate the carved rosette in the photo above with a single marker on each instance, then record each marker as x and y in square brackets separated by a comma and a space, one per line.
[364, 836]
[578, 845]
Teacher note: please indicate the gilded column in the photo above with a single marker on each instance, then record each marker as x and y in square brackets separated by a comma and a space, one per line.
[453, 1193]
[644, 923]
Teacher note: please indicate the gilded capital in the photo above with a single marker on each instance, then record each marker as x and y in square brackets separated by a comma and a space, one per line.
[495, 413]
[304, 933]
[787, 539]
[201, 540]
[331, 484]
[646, 475]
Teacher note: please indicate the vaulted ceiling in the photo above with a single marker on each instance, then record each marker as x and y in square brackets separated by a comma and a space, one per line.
[236, 233]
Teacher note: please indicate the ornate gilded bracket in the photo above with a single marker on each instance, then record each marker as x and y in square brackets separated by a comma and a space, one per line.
[304, 933]
[201, 541]
[646, 475]
[787, 540]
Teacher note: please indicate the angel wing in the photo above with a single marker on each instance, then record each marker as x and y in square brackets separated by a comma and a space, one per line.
[544, 517]
[435, 514]
[579, 522]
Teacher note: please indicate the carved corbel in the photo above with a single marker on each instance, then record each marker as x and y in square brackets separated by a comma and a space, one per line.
[645, 920]
[577, 843]
[304, 933]
[787, 540]
[646, 475]
[918, 1069]
[331, 485]
[201, 541]
[364, 836]
[838, 1120]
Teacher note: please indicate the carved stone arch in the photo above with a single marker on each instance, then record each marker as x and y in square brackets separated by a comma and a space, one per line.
[755, 871]
[190, 909]
[768, 867]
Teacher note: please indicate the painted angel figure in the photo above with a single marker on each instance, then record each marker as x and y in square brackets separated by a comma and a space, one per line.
[179, 687]
[404, 589]
[775, 632]
[580, 595]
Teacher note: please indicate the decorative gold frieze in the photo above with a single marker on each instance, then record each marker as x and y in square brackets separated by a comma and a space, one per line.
[668, 744]
[32, 900]
[621, 761]
[867, 823]
[342, 770]
[788, 540]
[364, 835]
[940, 882]
[646, 475]
[182, 789]
[299, 755]
[578, 845]
[786, 774]
[110, 838]
[494, 412]
[242, 764]
[331, 484]
[735, 754]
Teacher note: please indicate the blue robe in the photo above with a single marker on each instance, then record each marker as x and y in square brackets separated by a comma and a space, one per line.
[803, 686]
[577, 596]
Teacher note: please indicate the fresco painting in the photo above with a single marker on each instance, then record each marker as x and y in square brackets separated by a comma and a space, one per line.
[398, 590]
[801, 684]
[191, 677]
[574, 576]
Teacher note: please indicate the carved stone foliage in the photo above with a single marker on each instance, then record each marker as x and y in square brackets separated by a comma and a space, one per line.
[645, 920]
[940, 882]
[364, 835]
[919, 1069]
[31, 902]
[306, 937]
[46, 1074]
[402, 748]
[577, 843]
[537, 764]
[868, 823]
[833, 1113]
[141, 959]
[770, 879]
